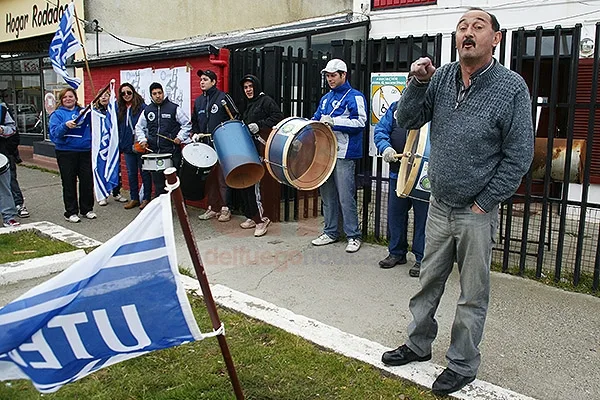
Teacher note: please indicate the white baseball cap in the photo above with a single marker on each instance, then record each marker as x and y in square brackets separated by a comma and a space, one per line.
[335, 65]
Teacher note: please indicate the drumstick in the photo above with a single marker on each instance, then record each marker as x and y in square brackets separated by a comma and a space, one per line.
[224, 104]
[166, 138]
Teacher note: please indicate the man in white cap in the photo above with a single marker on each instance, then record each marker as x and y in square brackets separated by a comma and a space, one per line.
[344, 110]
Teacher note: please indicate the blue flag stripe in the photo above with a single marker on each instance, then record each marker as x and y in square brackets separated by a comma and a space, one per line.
[64, 45]
[137, 247]
[144, 246]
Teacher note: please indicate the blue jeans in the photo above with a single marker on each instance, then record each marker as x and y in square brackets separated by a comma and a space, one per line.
[398, 208]
[7, 203]
[340, 188]
[454, 233]
[133, 162]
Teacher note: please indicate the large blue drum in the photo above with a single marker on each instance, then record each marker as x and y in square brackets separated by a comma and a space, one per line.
[301, 153]
[237, 154]
[413, 179]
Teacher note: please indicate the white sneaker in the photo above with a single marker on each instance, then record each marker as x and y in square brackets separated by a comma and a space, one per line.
[91, 215]
[323, 240]
[248, 224]
[353, 245]
[261, 228]
[225, 214]
[208, 214]
[120, 199]
[73, 218]
[103, 202]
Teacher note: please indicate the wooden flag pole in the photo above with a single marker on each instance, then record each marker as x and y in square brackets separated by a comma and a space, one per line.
[87, 66]
[190, 240]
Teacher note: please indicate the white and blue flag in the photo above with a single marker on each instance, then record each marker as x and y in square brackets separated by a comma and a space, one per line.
[122, 300]
[105, 148]
[64, 45]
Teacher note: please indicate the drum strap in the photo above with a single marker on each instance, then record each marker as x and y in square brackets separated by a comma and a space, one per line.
[339, 102]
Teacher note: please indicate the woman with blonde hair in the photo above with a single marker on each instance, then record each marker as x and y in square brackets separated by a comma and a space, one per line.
[73, 144]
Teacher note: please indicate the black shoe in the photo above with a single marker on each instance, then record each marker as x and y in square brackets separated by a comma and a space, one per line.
[415, 270]
[449, 382]
[391, 261]
[401, 356]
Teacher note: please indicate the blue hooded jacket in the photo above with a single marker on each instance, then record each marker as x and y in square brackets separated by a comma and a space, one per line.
[387, 133]
[65, 139]
[347, 107]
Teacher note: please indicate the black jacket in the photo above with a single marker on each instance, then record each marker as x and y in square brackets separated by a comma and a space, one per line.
[209, 112]
[162, 118]
[261, 109]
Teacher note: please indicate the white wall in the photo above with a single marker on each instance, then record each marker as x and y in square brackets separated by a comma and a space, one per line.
[442, 18]
[179, 19]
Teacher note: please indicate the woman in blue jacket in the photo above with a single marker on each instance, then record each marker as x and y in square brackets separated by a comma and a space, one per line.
[130, 107]
[73, 145]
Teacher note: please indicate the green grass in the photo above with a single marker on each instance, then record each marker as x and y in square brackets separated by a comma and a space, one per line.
[24, 245]
[271, 364]
[585, 286]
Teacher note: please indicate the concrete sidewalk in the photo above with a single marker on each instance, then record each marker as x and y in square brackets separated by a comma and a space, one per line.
[538, 341]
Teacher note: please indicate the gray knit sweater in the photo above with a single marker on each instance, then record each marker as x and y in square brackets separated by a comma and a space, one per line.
[480, 148]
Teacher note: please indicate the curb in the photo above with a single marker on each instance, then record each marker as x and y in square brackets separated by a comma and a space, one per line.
[422, 374]
[38, 267]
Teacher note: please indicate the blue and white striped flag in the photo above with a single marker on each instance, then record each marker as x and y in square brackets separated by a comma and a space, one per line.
[105, 148]
[121, 301]
[64, 45]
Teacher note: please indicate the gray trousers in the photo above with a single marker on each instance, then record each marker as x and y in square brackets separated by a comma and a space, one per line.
[454, 233]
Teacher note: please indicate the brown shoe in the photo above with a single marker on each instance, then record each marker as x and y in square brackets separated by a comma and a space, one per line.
[144, 204]
[131, 204]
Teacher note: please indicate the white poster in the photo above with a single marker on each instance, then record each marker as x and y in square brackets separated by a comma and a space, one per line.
[175, 82]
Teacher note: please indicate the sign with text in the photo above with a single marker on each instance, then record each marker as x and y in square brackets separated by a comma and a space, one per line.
[29, 18]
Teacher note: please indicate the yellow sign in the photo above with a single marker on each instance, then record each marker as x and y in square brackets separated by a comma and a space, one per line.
[386, 88]
[29, 18]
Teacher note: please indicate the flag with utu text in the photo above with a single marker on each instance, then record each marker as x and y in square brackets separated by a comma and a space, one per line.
[64, 45]
[121, 301]
[105, 147]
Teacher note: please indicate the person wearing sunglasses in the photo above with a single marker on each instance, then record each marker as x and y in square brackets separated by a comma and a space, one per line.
[130, 107]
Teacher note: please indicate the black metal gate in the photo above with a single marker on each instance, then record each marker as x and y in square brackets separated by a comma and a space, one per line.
[547, 229]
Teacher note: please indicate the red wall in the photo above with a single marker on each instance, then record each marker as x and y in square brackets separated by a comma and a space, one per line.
[219, 64]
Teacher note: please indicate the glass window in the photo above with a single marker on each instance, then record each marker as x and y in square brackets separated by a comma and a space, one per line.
[28, 103]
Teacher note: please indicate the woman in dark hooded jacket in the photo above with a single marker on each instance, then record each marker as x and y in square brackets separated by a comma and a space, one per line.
[260, 113]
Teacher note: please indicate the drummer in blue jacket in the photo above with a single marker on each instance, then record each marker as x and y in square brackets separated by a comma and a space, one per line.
[344, 110]
[390, 139]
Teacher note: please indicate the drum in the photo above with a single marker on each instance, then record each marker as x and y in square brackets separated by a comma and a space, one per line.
[156, 162]
[198, 160]
[237, 154]
[4, 164]
[301, 153]
[413, 180]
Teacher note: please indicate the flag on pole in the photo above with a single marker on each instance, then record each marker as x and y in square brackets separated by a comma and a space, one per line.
[122, 300]
[64, 45]
[105, 147]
